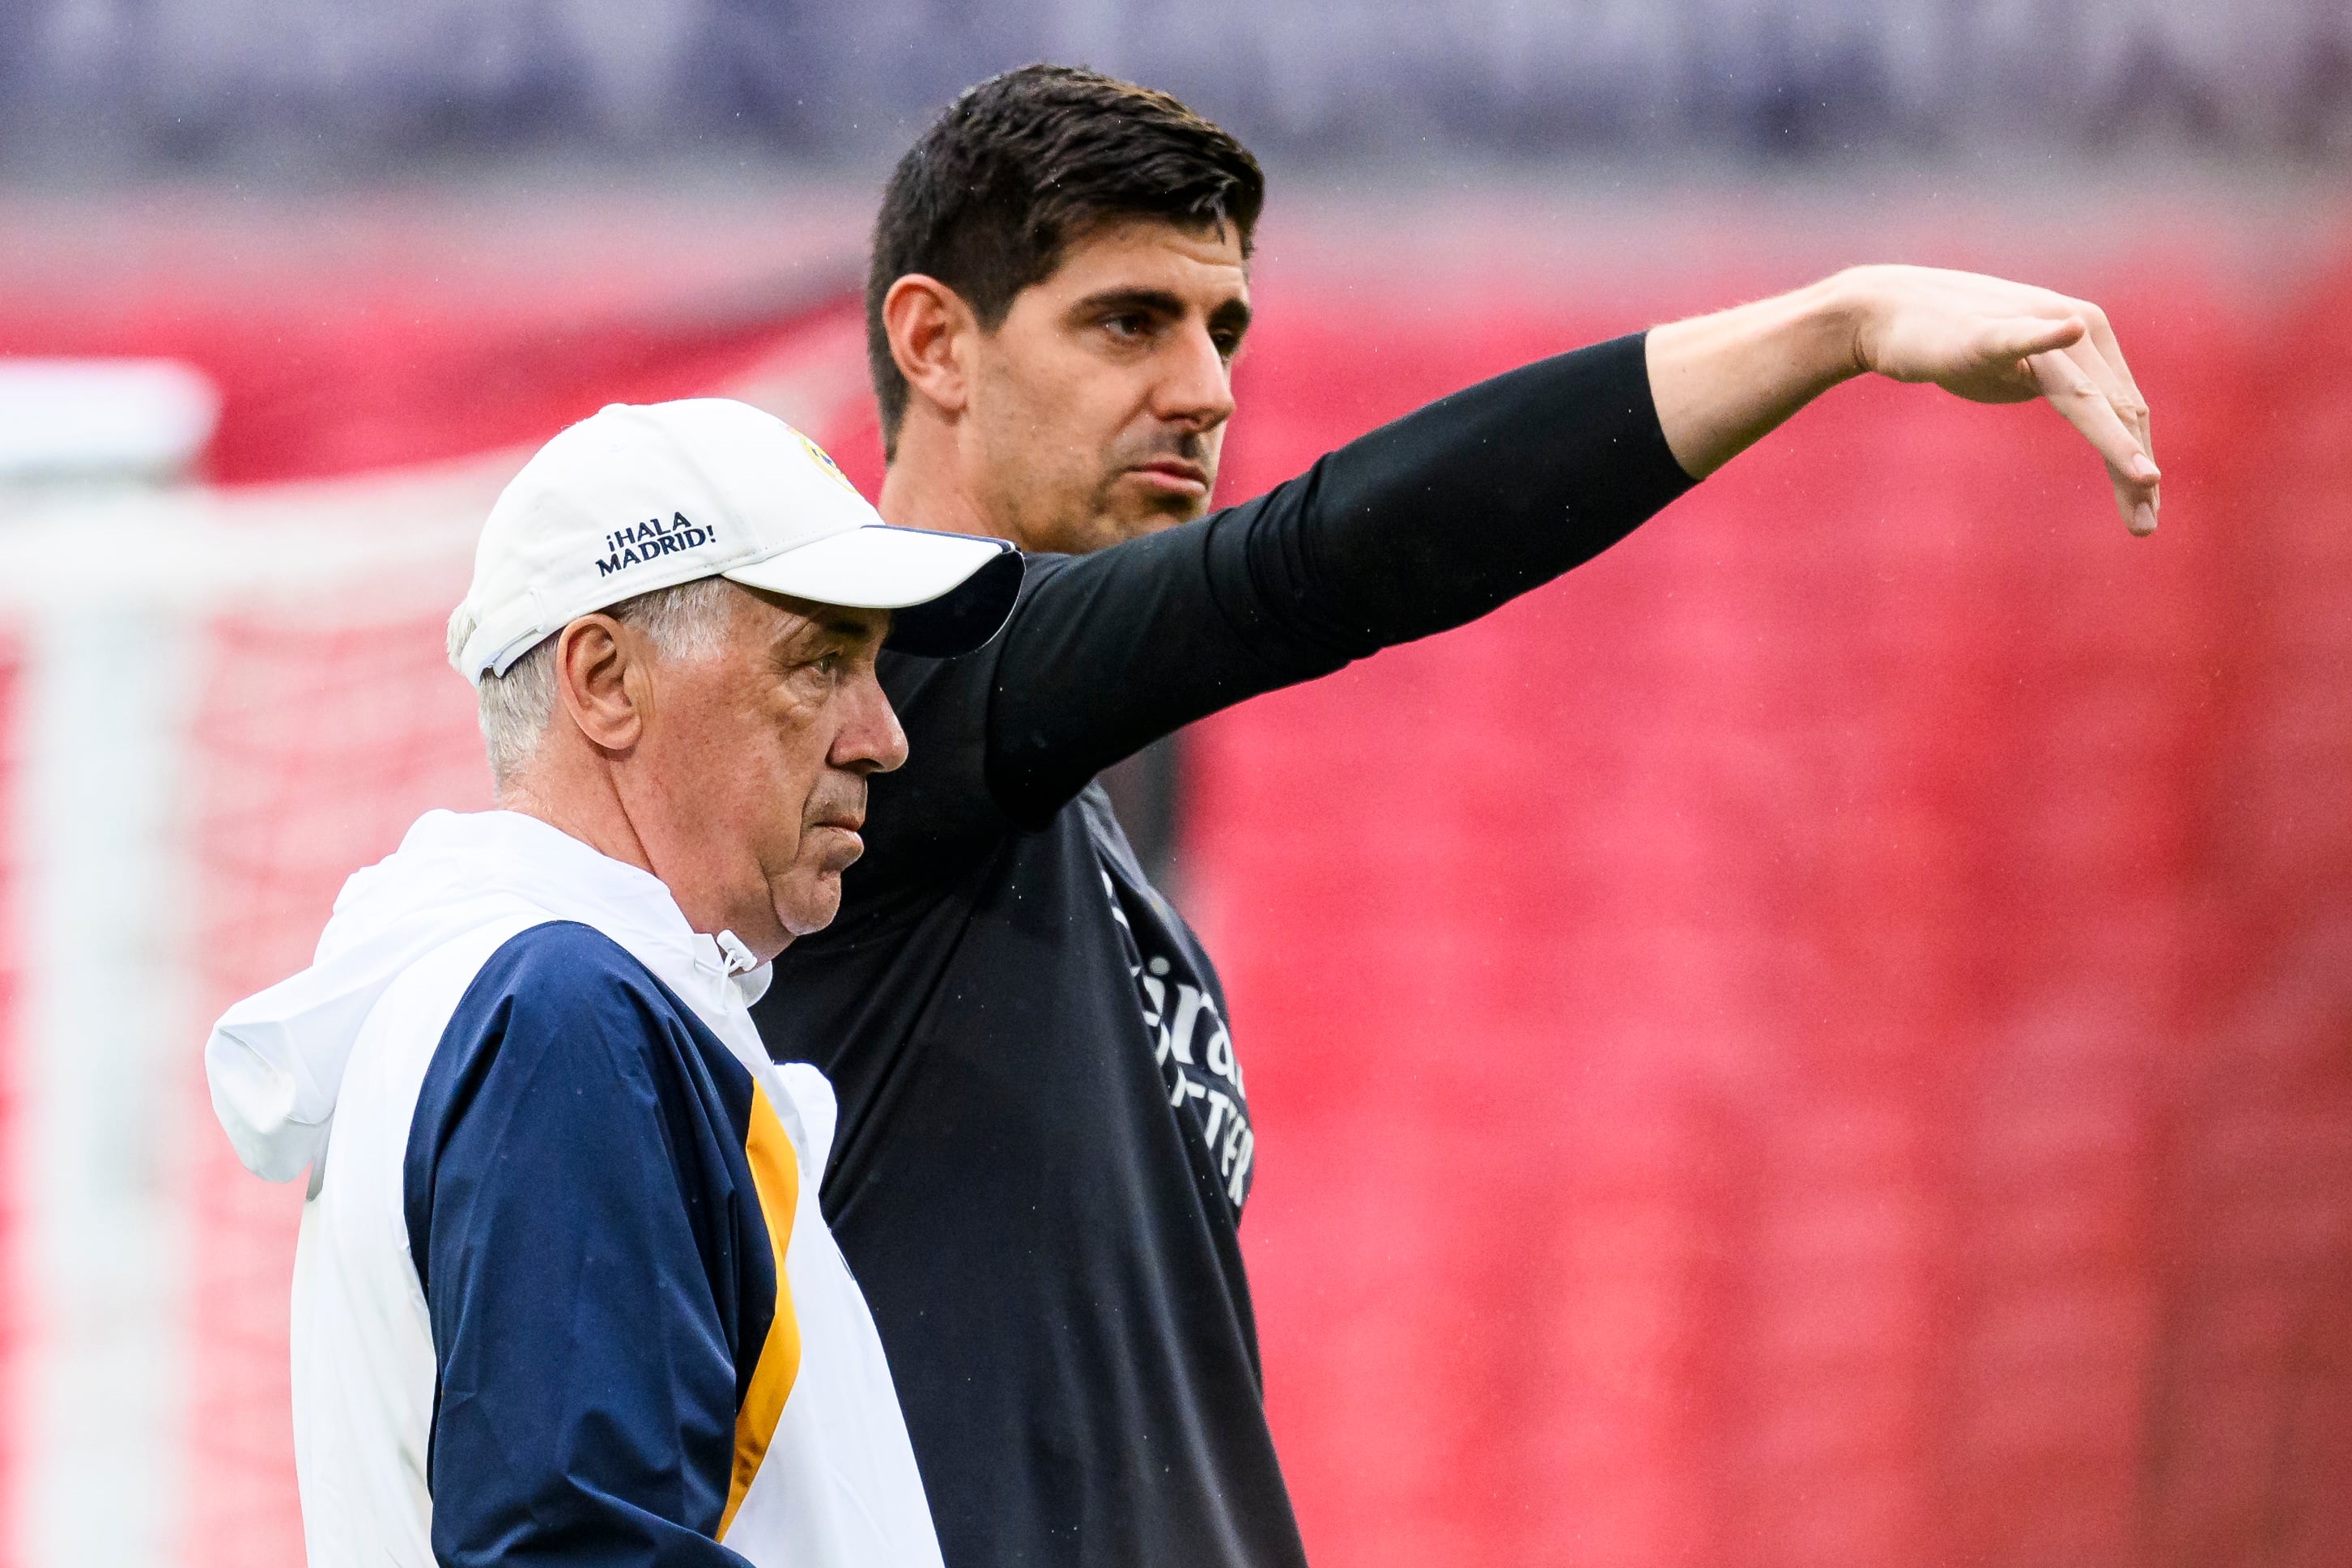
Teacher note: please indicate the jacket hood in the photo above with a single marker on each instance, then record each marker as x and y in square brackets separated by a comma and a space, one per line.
[275, 1061]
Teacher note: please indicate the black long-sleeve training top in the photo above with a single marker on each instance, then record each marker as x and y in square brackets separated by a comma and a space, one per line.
[1046, 1143]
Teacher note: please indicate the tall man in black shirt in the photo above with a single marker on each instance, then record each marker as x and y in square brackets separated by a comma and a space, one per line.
[1045, 1140]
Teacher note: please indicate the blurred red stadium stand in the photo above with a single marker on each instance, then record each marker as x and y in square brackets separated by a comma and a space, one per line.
[352, 337]
[1826, 1038]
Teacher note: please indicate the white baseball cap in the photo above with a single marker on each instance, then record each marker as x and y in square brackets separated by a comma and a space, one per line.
[636, 497]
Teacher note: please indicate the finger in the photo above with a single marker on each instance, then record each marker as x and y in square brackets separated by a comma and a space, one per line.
[1991, 362]
[2088, 359]
[2103, 338]
[2136, 504]
[2141, 517]
[2073, 393]
[2022, 337]
[2076, 396]
[2139, 513]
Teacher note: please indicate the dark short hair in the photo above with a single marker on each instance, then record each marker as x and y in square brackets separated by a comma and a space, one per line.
[1020, 166]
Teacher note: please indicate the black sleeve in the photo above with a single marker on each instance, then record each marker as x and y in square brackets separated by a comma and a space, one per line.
[1422, 525]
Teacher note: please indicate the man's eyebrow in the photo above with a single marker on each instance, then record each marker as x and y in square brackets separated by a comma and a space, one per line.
[849, 627]
[824, 629]
[1232, 315]
[1159, 301]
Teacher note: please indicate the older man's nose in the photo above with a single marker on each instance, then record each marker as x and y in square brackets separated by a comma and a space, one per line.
[871, 741]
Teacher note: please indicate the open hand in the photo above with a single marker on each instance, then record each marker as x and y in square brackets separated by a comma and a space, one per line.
[1990, 340]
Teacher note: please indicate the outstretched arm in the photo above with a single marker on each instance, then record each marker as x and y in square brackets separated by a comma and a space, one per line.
[1723, 382]
[1442, 516]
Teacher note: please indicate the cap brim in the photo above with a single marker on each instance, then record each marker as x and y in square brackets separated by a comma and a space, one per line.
[948, 593]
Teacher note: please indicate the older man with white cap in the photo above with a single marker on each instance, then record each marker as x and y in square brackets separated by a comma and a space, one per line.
[562, 1291]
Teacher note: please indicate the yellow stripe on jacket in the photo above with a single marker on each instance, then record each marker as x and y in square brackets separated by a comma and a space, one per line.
[776, 1175]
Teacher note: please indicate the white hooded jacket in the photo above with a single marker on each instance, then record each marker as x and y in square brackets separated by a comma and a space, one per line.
[536, 1293]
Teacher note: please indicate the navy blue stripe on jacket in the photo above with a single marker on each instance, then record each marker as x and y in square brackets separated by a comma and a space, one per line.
[596, 1264]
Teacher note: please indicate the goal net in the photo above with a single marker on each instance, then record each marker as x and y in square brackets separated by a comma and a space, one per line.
[214, 705]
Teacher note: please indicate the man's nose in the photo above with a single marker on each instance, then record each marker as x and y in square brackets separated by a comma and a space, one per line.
[1197, 386]
[870, 740]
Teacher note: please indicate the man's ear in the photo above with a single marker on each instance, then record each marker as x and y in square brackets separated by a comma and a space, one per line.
[603, 680]
[929, 324]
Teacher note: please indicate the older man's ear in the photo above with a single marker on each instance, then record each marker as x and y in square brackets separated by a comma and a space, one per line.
[604, 678]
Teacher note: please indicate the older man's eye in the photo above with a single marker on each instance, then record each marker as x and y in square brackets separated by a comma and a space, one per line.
[825, 667]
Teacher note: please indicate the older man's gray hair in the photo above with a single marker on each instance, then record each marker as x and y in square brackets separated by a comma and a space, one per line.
[688, 621]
